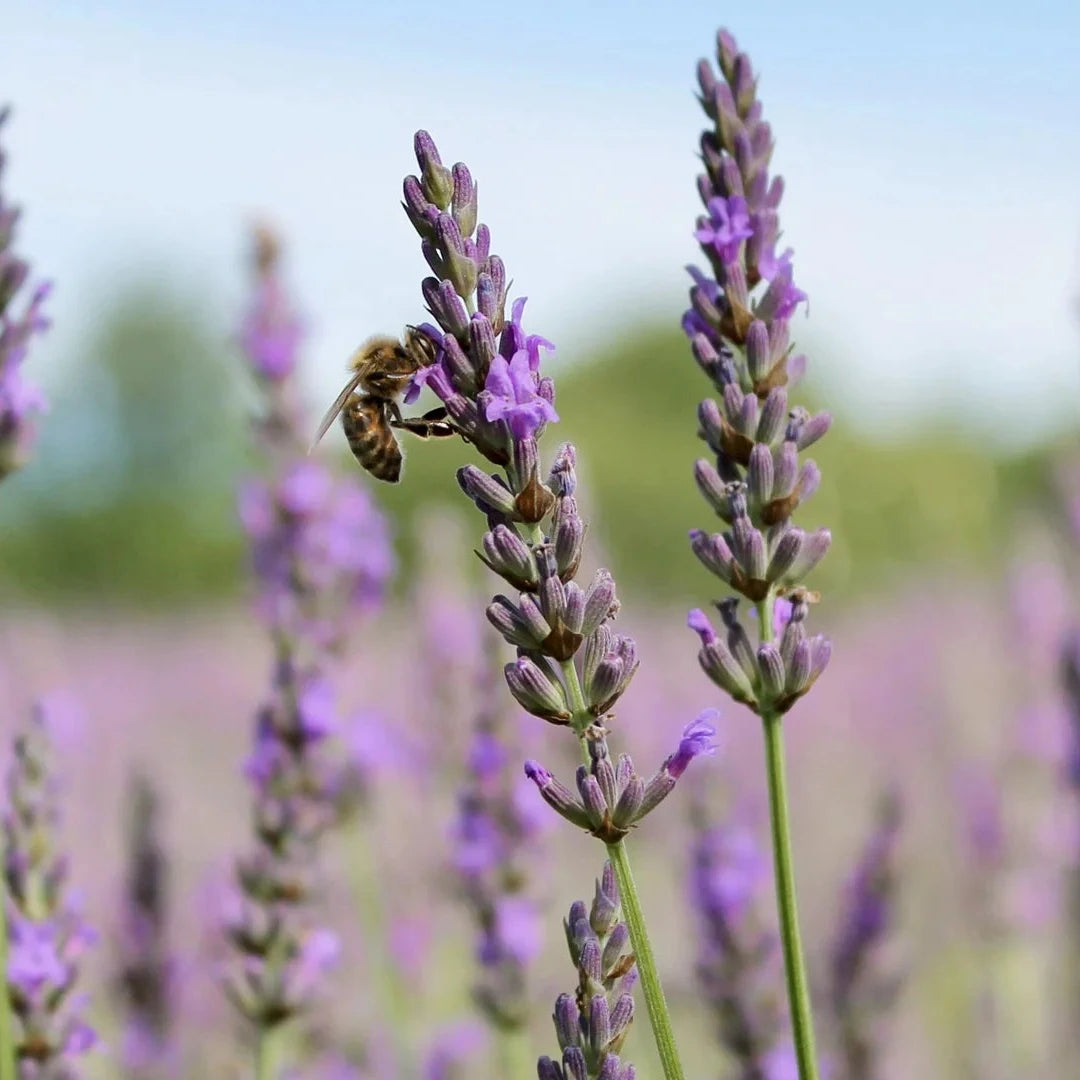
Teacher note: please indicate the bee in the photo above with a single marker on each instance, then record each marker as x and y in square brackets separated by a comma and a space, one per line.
[368, 405]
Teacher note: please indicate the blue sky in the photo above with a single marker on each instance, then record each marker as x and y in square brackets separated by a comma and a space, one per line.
[931, 153]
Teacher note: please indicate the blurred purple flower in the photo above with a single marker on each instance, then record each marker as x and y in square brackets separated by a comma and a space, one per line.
[450, 1050]
[19, 400]
[271, 332]
[47, 935]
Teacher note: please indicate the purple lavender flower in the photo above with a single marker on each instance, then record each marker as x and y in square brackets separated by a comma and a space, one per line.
[740, 338]
[572, 665]
[592, 1023]
[495, 847]
[322, 558]
[737, 954]
[47, 935]
[146, 979]
[865, 979]
[19, 400]
[738, 324]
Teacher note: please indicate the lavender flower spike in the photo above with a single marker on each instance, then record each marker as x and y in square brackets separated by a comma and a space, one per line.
[572, 665]
[19, 401]
[592, 1023]
[322, 559]
[738, 324]
[495, 854]
[146, 979]
[47, 936]
[737, 955]
[865, 976]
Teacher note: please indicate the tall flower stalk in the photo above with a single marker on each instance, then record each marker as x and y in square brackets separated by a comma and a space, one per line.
[496, 853]
[20, 320]
[321, 556]
[737, 954]
[738, 326]
[47, 933]
[865, 977]
[572, 665]
[146, 978]
[592, 1023]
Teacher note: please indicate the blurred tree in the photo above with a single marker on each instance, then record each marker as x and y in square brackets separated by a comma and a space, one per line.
[131, 493]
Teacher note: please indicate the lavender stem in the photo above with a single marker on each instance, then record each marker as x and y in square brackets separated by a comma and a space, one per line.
[655, 1002]
[802, 1021]
[266, 1053]
[7, 1031]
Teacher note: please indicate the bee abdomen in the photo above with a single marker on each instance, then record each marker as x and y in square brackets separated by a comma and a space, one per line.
[371, 438]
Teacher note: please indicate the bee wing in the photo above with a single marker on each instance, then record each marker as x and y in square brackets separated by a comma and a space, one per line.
[335, 410]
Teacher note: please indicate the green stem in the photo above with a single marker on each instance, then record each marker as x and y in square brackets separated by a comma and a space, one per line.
[516, 1059]
[802, 1021]
[388, 995]
[798, 986]
[7, 1028]
[657, 1008]
[267, 1047]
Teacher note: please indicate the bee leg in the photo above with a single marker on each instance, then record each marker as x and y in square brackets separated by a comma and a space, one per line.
[424, 427]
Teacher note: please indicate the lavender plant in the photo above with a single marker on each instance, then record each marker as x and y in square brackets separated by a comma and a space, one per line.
[572, 665]
[321, 555]
[737, 955]
[19, 400]
[738, 326]
[47, 935]
[146, 975]
[865, 977]
[592, 1023]
[496, 845]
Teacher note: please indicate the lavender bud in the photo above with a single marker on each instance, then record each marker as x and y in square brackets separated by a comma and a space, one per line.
[437, 180]
[621, 1018]
[445, 305]
[813, 550]
[773, 416]
[492, 496]
[536, 691]
[724, 670]
[482, 344]
[574, 609]
[710, 485]
[569, 536]
[600, 602]
[771, 670]
[605, 777]
[420, 211]
[567, 1021]
[814, 429]
[785, 554]
[760, 474]
[546, 1069]
[627, 808]
[592, 796]
[714, 554]
[575, 1065]
[798, 670]
[758, 351]
[463, 375]
[557, 795]
[487, 298]
[599, 1024]
[510, 557]
[463, 201]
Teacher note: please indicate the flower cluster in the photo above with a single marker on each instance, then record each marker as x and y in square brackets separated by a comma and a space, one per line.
[322, 556]
[47, 936]
[738, 325]
[737, 955]
[19, 401]
[865, 975]
[146, 978]
[495, 844]
[572, 665]
[592, 1023]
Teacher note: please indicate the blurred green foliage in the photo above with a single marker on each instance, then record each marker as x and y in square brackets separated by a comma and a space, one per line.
[130, 496]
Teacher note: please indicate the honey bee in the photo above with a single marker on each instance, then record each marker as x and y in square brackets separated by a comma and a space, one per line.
[368, 405]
